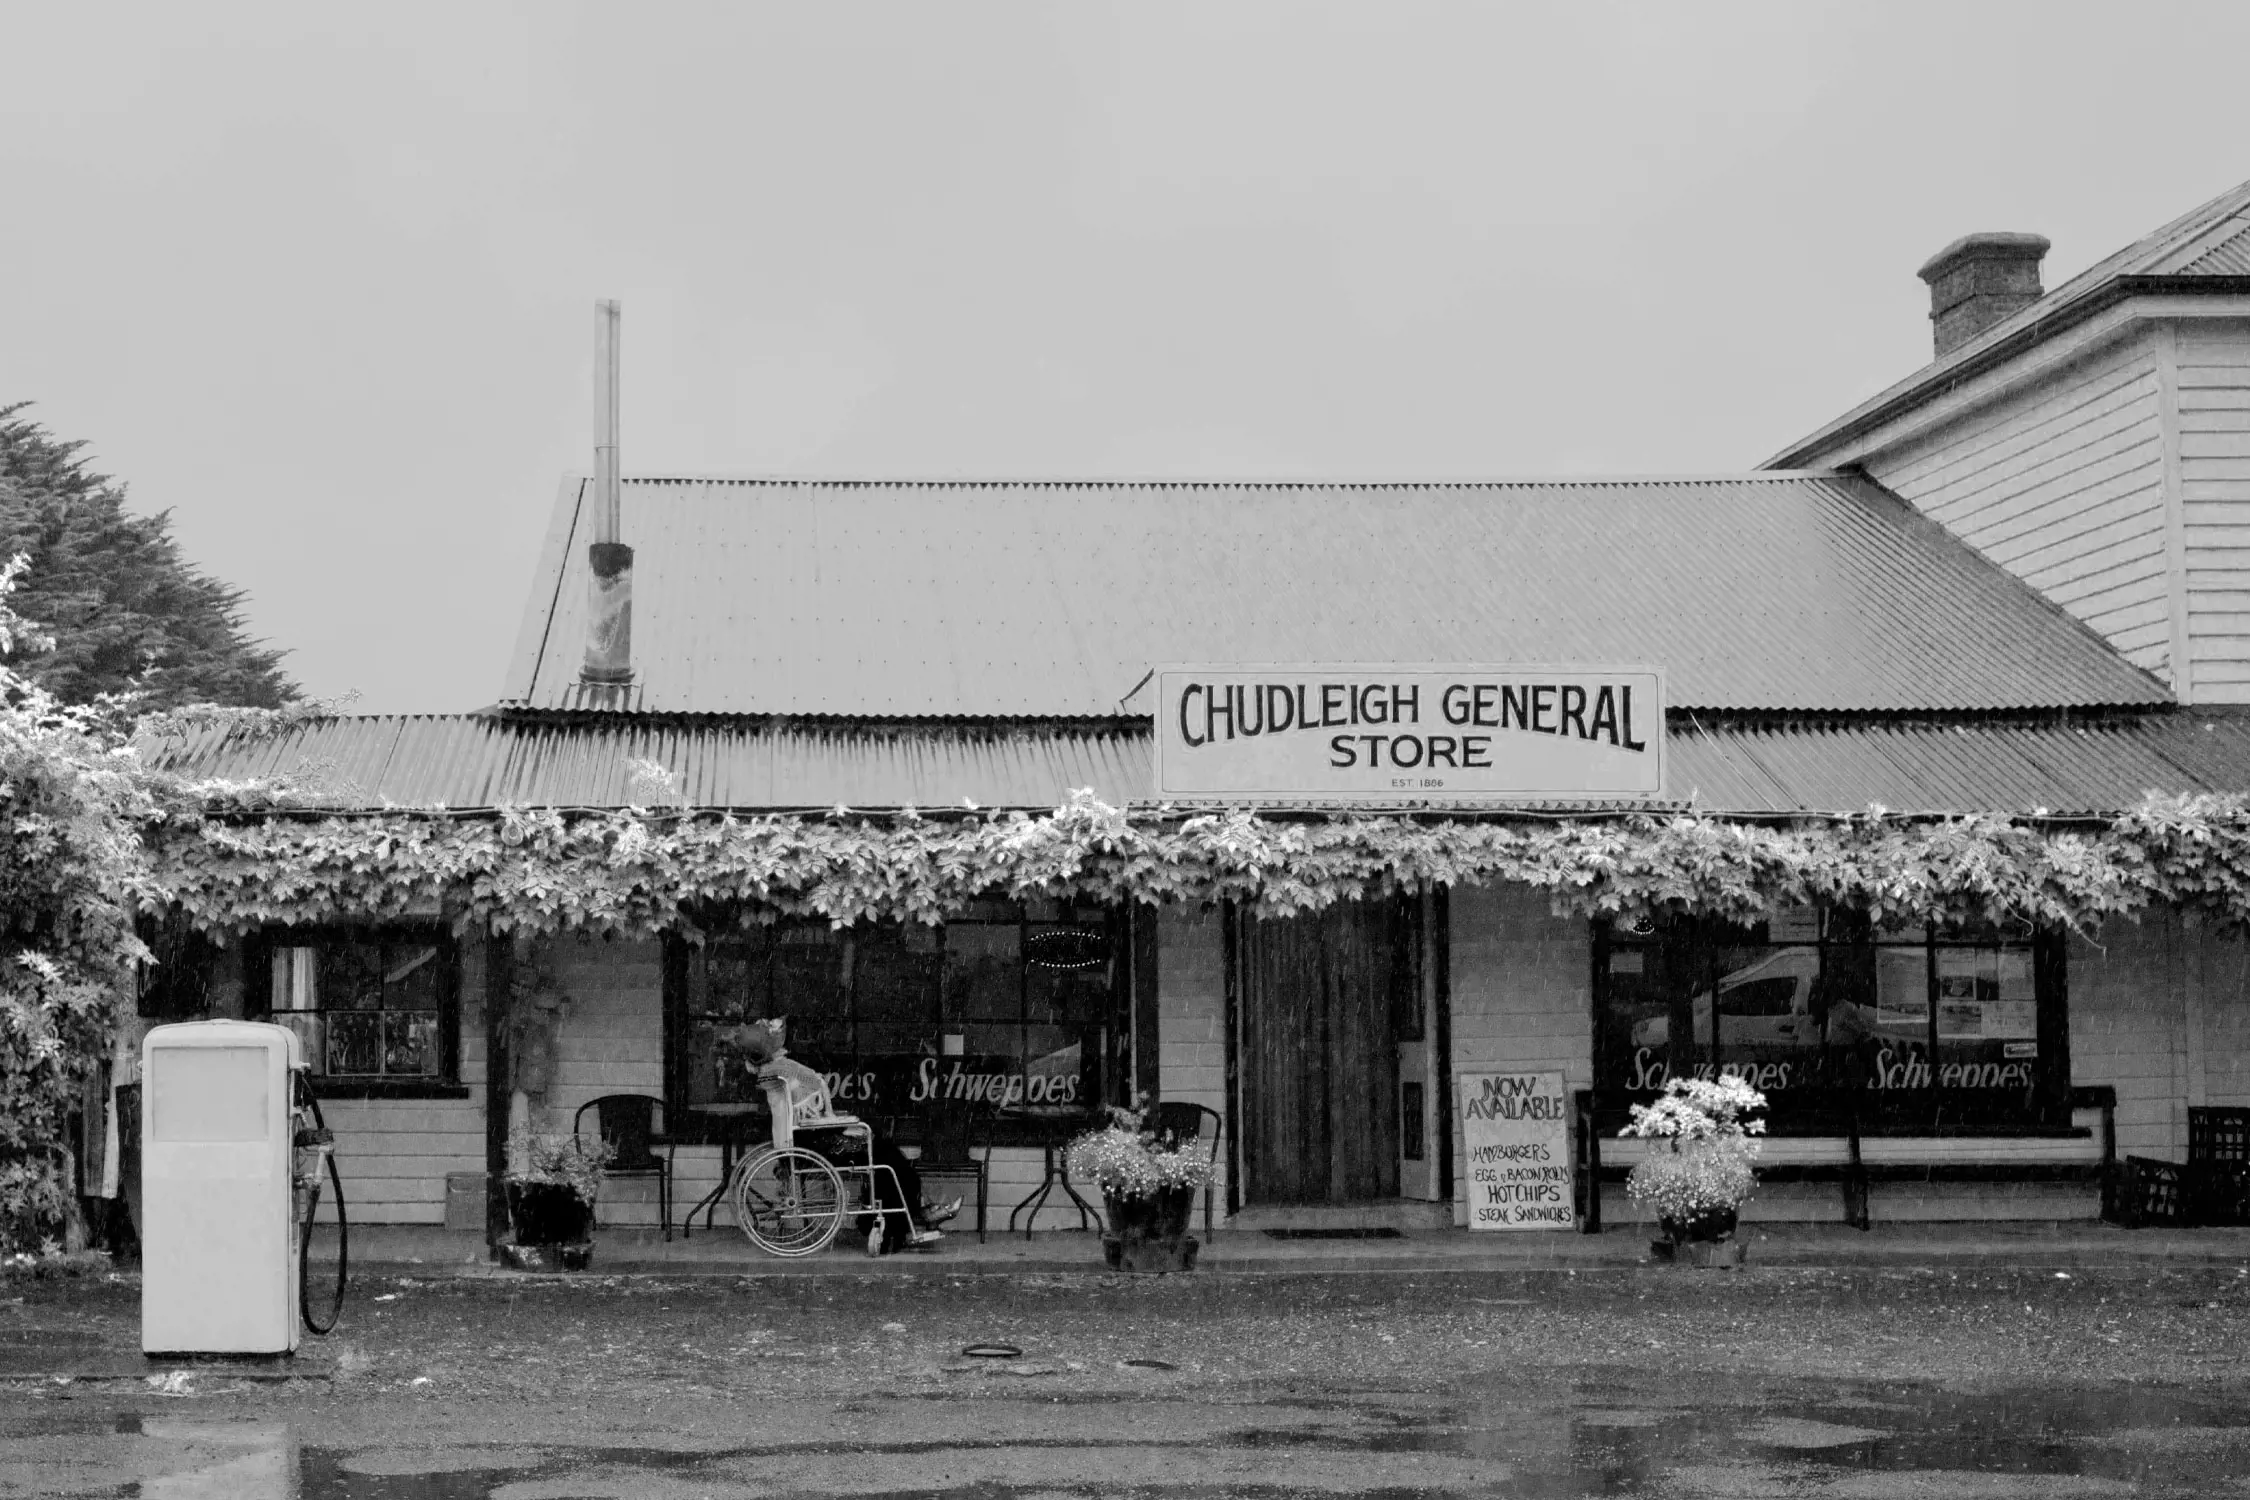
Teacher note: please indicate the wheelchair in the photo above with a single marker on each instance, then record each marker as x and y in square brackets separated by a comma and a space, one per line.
[792, 1200]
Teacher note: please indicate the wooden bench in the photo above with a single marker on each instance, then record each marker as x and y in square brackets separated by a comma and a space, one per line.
[1835, 1149]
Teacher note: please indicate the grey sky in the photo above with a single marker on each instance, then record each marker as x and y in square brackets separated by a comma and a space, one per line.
[321, 280]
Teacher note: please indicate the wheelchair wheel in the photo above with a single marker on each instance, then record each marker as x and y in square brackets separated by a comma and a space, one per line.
[789, 1202]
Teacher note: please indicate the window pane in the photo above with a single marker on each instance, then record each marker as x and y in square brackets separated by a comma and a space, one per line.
[983, 972]
[351, 976]
[1765, 1026]
[410, 976]
[892, 982]
[296, 980]
[713, 1070]
[311, 1037]
[355, 1042]
[410, 1044]
[1068, 970]
[1633, 1019]
[808, 978]
[726, 978]
[1988, 1024]
[1056, 1067]
[1844, 1024]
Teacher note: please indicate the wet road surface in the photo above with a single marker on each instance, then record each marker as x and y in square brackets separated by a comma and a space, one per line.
[1830, 1385]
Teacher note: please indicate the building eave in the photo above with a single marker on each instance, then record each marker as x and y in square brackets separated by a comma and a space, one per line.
[1842, 441]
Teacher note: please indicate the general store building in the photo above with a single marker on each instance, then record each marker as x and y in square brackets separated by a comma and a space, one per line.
[1838, 633]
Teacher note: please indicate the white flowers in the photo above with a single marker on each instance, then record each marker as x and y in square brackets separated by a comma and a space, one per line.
[1702, 1149]
[1698, 1109]
[1125, 1161]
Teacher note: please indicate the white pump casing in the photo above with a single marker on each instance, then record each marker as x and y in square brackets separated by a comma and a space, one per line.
[219, 1247]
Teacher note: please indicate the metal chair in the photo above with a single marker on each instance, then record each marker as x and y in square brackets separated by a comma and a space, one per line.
[1179, 1122]
[957, 1147]
[629, 1124]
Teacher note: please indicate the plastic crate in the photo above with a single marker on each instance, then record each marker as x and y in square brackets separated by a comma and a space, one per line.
[2217, 1193]
[2147, 1192]
[2218, 1133]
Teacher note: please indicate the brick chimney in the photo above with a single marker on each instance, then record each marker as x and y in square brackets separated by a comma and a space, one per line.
[1978, 280]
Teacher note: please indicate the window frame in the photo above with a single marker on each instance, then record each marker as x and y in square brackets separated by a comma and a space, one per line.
[259, 953]
[1096, 1036]
[1932, 1109]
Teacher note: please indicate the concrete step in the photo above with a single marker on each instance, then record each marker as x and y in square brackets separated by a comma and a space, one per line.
[1403, 1214]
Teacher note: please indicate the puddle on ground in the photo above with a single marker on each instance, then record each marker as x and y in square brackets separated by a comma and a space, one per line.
[1836, 1441]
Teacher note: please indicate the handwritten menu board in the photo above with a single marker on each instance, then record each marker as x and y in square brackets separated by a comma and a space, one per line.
[1515, 1131]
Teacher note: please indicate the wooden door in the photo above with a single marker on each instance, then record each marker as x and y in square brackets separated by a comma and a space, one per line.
[1319, 1059]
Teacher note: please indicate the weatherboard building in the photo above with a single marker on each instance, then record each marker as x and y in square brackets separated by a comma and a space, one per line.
[1853, 631]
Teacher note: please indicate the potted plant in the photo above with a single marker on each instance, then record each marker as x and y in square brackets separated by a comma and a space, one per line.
[1698, 1169]
[1148, 1191]
[551, 1202]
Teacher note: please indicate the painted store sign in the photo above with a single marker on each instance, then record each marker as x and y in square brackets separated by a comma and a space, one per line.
[1409, 733]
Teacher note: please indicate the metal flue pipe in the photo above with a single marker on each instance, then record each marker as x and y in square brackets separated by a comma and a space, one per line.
[609, 617]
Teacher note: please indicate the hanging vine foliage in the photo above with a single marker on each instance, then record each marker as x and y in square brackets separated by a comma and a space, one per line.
[639, 871]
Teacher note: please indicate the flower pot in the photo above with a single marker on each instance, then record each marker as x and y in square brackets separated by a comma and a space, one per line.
[1701, 1239]
[1148, 1234]
[1709, 1224]
[549, 1213]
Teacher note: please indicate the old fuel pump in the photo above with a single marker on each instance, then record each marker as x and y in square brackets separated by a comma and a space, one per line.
[232, 1151]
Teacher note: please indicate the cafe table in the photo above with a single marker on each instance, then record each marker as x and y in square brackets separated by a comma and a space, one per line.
[730, 1126]
[1052, 1130]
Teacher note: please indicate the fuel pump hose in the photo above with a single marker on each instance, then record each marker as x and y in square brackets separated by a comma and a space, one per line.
[343, 1232]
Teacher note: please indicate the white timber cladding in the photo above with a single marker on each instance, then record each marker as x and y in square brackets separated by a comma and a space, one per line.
[2061, 482]
[611, 1042]
[2159, 1010]
[1191, 1046]
[2212, 371]
[392, 1154]
[1522, 994]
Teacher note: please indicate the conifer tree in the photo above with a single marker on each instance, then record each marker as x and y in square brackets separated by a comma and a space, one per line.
[126, 610]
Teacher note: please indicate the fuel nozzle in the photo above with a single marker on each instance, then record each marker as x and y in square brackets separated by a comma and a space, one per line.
[314, 1145]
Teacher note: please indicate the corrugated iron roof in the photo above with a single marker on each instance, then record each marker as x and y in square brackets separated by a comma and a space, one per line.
[467, 762]
[2210, 240]
[895, 599]
[463, 761]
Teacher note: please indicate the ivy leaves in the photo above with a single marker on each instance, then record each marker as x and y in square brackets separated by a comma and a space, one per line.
[638, 871]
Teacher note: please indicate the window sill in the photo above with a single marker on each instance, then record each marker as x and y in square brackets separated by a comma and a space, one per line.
[386, 1088]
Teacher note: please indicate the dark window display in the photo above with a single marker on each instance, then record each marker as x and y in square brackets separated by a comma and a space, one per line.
[369, 1006]
[1910, 1031]
[1009, 1008]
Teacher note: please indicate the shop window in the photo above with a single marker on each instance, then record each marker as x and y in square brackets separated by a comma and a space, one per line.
[1911, 1032]
[374, 1009]
[1010, 1007]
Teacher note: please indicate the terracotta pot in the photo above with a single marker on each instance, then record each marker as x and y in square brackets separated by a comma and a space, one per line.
[549, 1213]
[1149, 1234]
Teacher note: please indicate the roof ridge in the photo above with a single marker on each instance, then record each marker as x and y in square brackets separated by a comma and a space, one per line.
[2181, 234]
[1745, 476]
